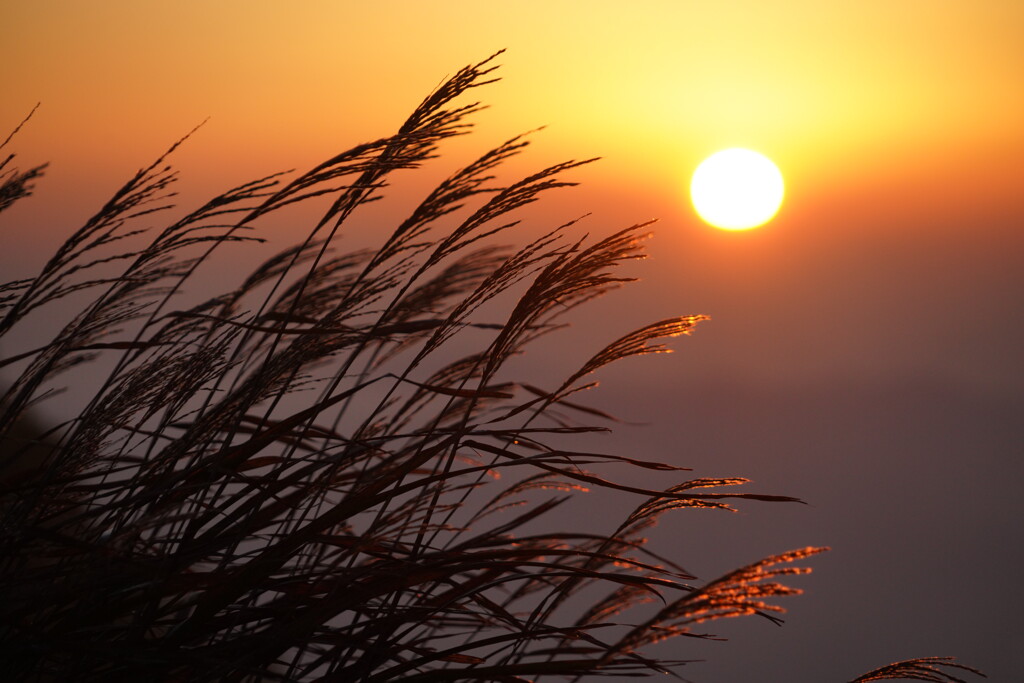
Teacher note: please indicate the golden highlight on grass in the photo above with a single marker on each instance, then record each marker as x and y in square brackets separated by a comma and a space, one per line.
[326, 473]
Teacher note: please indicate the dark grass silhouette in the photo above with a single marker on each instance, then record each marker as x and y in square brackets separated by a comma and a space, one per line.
[299, 479]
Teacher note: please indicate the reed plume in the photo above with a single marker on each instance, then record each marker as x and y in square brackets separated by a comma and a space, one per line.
[326, 473]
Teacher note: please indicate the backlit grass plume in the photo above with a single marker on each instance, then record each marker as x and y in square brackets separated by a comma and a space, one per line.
[327, 473]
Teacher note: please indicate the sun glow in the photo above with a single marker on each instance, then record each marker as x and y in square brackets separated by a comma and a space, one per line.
[737, 189]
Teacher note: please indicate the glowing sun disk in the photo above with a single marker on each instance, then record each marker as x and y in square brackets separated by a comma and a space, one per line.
[737, 189]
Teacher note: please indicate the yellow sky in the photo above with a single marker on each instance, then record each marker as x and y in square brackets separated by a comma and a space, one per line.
[890, 119]
[653, 85]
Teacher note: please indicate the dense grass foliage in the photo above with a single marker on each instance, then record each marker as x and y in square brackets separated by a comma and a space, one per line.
[327, 473]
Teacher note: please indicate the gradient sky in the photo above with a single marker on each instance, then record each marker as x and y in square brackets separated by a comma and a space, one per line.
[876, 320]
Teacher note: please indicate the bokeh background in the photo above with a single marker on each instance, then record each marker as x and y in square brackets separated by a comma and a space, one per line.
[865, 347]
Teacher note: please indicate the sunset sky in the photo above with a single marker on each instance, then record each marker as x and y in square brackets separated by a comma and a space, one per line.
[865, 345]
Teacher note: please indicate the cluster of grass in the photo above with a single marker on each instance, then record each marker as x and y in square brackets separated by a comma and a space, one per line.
[325, 474]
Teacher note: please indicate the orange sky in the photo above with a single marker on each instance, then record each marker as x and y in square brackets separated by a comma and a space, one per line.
[835, 92]
[897, 126]
[864, 351]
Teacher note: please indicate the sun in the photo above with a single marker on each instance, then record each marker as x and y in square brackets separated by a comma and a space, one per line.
[737, 189]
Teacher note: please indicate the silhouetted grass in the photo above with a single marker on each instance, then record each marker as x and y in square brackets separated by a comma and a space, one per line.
[298, 479]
